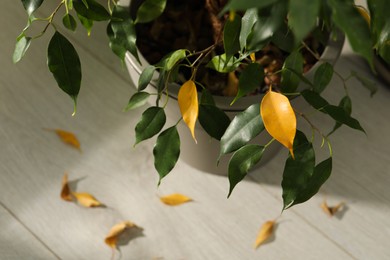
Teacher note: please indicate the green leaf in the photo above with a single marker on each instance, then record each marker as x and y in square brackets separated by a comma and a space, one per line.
[94, 11]
[231, 34]
[297, 172]
[213, 120]
[145, 77]
[86, 23]
[367, 83]
[290, 80]
[314, 99]
[284, 39]
[174, 58]
[63, 61]
[31, 5]
[267, 24]
[137, 100]
[348, 18]
[346, 104]
[166, 151]
[151, 123]
[248, 20]
[69, 22]
[302, 17]
[250, 79]
[243, 128]
[122, 35]
[244, 5]
[21, 47]
[322, 77]
[219, 64]
[206, 98]
[150, 10]
[242, 162]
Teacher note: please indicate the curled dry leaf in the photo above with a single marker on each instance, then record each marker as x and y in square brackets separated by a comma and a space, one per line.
[175, 199]
[331, 211]
[265, 232]
[86, 199]
[67, 137]
[188, 103]
[279, 118]
[65, 191]
[112, 237]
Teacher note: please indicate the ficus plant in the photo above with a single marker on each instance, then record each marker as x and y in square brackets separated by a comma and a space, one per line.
[242, 34]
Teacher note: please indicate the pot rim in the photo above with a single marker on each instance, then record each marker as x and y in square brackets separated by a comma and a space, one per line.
[330, 54]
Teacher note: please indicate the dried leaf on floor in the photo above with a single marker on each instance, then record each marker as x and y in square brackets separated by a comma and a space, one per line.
[331, 211]
[86, 199]
[66, 194]
[67, 137]
[112, 237]
[175, 199]
[266, 231]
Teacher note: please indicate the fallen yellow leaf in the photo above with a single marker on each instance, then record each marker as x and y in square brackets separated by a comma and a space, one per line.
[231, 89]
[279, 118]
[67, 137]
[86, 199]
[112, 237]
[65, 191]
[175, 199]
[188, 103]
[265, 232]
[331, 211]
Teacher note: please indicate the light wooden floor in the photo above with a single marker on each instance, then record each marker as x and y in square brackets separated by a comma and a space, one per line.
[36, 224]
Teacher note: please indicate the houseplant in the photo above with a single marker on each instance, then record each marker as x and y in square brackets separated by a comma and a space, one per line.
[246, 28]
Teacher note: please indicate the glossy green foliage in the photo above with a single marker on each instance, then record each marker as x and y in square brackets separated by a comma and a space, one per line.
[243, 128]
[166, 151]
[69, 22]
[86, 23]
[151, 123]
[242, 162]
[322, 77]
[231, 34]
[380, 24]
[150, 10]
[301, 178]
[93, 10]
[22, 44]
[247, 22]
[63, 61]
[31, 5]
[292, 72]
[145, 77]
[244, 5]
[220, 64]
[213, 120]
[346, 104]
[137, 100]
[250, 79]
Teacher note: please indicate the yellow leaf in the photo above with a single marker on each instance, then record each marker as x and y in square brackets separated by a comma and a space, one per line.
[175, 199]
[265, 232]
[331, 211]
[86, 199]
[279, 118]
[112, 237]
[188, 103]
[232, 86]
[67, 137]
[364, 12]
[253, 57]
[65, 191]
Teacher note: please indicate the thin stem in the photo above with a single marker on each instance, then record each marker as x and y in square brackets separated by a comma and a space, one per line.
[50, 20]
[316, 55]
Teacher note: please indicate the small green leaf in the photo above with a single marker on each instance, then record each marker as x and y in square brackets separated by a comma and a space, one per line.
[297, 172]
[174, 58]
[137, 100]
[244, 5]
[346, 104]
[367, 83]
[213, 120]
[86, 23]
[250, 79]
[242, 162]
[206, 98]
[145, 77]
[302, 17]
[231, 34]
[243, 128]
[166, 151]
[151, 123]
[290, 80]
[284, 39]
[150, 10]
[94, 11]
[69, 22]
[63, 61]
[347, 17]
[21, 47]
[248, 20]
[31, 5]
[314, 99]
[322, 77]
[219, 64]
